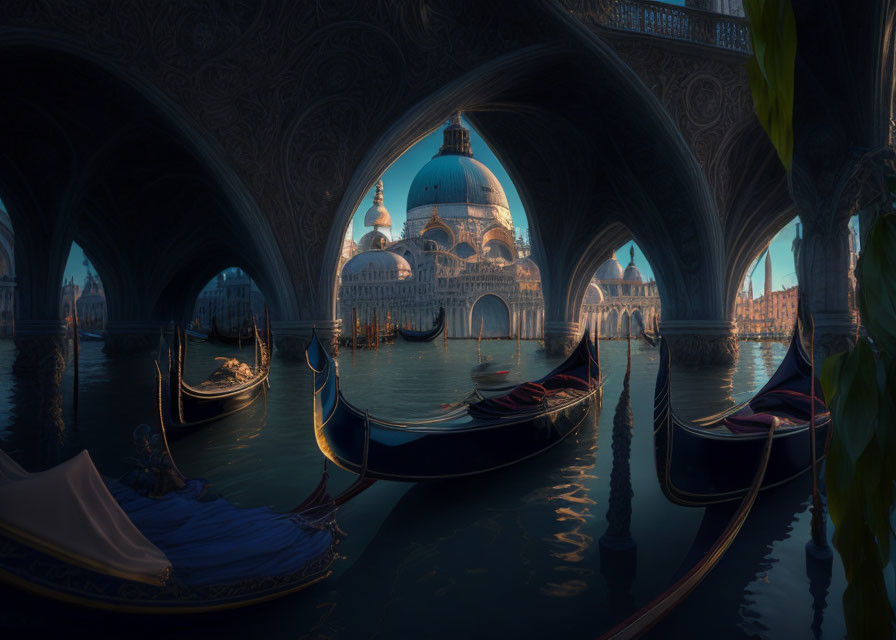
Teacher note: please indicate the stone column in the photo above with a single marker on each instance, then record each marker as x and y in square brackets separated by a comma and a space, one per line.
[37, 397]
[823, 273]
[701, 342]
[291, 338]
[129, 337]
[560, 337]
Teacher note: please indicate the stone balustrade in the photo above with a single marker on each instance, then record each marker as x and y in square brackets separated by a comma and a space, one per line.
[666, 21]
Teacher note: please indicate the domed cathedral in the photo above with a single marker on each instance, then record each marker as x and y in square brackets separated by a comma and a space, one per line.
[457, 250]
[617, 298]
[7, 275]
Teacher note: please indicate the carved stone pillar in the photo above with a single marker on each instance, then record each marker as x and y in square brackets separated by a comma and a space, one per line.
[825, 288]
[291, 338]
[560, 338]
[128, 337]
[701, 342]
[38, 369]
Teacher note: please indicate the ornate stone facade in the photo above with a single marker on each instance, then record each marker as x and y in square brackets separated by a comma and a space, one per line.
[617, 299]
[457, 250]
[232, 298]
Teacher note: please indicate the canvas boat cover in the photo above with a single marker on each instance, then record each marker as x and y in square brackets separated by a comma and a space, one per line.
[68, 512]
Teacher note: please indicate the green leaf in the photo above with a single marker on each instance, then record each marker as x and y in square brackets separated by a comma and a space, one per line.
[855, 408]
[771, 70]
[877, 283]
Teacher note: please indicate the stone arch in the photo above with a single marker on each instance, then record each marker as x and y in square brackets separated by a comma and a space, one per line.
[240, 214]
[493, 313]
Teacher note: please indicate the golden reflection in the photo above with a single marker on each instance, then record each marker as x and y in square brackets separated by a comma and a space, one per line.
[572, 511]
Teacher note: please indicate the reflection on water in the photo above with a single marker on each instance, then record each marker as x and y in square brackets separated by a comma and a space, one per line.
[512, 553]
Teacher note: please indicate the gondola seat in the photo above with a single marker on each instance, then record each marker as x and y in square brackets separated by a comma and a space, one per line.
[565, 381]
[215, 542]
[792, 403]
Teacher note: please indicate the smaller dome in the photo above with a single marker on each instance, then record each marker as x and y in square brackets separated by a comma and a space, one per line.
[377, 215]
[384, 265]
[632, 273]
[593, 295]
[609, 270]
[373, 240]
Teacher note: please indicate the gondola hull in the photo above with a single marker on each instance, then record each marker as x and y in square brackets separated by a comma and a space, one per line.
[398, 453]
[200, 409]
[425, 336]
[698, 466]
[26, 568]
[460, 443]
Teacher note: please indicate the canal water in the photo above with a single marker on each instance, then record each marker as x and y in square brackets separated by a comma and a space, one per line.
[513, 553]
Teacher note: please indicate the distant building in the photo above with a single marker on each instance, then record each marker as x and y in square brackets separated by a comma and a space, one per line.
[233, 299]
[773, 314]
[92, 304]
[89, 300]
[457, 250]
[616, 300]
[7, 275]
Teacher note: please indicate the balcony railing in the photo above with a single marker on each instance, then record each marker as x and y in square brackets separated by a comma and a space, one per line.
[666, 21]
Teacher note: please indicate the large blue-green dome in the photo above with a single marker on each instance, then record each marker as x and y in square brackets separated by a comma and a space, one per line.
[455, 179]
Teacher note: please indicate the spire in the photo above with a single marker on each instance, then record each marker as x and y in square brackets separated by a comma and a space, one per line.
[768, 273]
[455, 138]
[378, 197]
[631, 252]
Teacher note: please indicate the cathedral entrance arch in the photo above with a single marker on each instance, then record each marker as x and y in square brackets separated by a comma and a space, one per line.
[492, 314]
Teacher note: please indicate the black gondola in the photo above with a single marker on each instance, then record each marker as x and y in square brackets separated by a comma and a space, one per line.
[243, 336]
[471, 439]
[154, 541]
[714, 459]
[90, 336]
[430, 334]
[185, 407]
[196, 336]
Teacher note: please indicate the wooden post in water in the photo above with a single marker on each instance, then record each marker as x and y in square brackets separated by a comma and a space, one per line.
[354, 329]
[76, 348]
[445, 331]
[818, 545]
[376, 331]
[519, 330]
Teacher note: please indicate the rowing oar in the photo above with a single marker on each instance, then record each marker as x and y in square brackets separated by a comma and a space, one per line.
[653, 612]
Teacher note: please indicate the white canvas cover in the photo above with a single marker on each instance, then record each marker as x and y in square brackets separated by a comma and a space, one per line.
[68, 512]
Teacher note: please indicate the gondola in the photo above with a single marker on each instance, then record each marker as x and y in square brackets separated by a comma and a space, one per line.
[196, 336]
[153, 541]
[90, 336]
[186, 407]
[430, 334]
[240, 337]
[713, 460]
[469, 439]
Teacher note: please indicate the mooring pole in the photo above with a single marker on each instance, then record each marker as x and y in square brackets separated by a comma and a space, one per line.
[354, 329]
[76, 347]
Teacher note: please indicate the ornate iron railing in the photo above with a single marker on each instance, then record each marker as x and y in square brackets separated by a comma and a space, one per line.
[666, 21]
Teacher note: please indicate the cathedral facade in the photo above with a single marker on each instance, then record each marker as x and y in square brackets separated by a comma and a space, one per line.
[457, 250]
[618, 301]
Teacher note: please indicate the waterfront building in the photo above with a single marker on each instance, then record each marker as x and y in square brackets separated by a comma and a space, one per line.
[458, 249]
[7, 276]
[232, 298]
[89, 300]
[617, 299]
